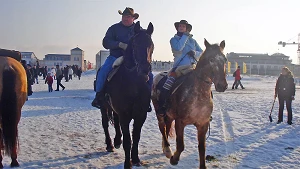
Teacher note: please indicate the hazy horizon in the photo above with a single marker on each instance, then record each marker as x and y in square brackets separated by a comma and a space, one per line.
[56, 26]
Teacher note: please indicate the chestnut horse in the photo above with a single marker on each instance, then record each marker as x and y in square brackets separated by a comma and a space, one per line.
[13, 94]
[191, 101]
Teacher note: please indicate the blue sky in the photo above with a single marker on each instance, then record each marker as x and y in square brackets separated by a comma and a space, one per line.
[56, 26]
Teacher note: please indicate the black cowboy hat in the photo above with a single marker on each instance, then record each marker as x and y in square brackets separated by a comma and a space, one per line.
[188, 26]
[129, 11]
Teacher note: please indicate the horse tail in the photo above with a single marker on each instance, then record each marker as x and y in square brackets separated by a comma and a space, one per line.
[8, 110]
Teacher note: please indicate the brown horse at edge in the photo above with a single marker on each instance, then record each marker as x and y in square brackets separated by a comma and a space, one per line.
[13, 94]
[191, 102]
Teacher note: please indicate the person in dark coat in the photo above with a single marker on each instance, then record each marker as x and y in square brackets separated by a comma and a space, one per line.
[59, 77]
[29, 78]
[79, 71]
[285, 90]
[237, 79]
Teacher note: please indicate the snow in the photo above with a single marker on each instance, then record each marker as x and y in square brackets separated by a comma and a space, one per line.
[62, 130]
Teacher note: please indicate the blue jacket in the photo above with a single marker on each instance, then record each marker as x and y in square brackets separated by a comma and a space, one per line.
[115, 34]
[181, 46]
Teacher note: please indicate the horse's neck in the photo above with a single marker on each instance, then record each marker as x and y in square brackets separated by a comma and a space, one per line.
[128, 59]
[201, 74]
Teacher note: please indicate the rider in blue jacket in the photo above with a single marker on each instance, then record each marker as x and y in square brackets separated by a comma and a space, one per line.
[186, 51]
[116, 40]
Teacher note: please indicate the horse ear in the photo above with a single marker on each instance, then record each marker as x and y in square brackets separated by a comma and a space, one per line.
[137, 27]
[150, 29]
[222, 44]
[206, 43]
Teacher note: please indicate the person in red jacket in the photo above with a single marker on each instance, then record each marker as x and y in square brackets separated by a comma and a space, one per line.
[237, 79]
[49, 81]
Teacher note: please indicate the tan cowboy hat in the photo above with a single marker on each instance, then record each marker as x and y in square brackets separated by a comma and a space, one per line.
[188, 26]
[129, 11]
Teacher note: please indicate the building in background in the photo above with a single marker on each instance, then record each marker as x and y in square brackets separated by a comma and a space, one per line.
[29, 57]
[261, 64]
[75, 58]
[101, 57]
[161, 65]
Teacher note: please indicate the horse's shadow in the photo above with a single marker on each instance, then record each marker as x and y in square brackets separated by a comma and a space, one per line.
[58, 162]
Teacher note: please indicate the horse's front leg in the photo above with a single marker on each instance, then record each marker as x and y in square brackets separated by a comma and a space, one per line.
[202, 129]
[105, 120]
[118, 136]
[136, 135]
[179, 127]
[126, 141]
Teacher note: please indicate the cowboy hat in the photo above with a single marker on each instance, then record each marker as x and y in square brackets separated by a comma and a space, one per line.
[188, 26]
[128, 11]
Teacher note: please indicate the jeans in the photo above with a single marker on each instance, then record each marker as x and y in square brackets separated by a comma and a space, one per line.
[103, 73]
[50, 89]
[288, 102]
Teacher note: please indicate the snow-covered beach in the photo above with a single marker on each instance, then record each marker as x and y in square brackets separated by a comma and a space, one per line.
[62, 130]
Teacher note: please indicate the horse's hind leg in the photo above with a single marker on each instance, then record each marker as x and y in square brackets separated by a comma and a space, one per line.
[166, 148]
[1, 147]
[179, 127]
[105, 120]
[118, 137]
[201, 143]
[14, 162]
[136, 135]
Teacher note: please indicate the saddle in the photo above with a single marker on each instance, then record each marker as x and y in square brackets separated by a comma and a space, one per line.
[116, 65]
[11, 53]
[181, 73]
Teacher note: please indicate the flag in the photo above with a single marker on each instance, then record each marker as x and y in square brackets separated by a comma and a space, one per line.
[228, 66]
[244, 67]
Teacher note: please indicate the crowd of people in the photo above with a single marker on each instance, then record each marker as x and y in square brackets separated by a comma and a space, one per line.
[56, 73]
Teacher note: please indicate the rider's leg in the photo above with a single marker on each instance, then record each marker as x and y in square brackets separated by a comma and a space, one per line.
[101, 78]
[165, 93]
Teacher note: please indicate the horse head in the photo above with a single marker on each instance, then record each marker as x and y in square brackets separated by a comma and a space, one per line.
[141, 48]
[212, 65]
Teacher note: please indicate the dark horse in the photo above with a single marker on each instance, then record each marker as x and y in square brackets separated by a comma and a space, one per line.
[128, 92]
[196, 108]
[13, 94]
[108, 115]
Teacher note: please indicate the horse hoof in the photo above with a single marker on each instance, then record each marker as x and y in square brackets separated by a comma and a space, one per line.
[202, 167]
[118, 144]
[168, 152]
[14, 163]
[137, 164]
[109, 149]
[172, 161]
[127, 165]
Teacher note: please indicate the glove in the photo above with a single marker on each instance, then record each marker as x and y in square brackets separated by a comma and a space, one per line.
[123, 45]
[191, 53]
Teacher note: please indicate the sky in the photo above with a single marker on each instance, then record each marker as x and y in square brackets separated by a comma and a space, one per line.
[57, 26]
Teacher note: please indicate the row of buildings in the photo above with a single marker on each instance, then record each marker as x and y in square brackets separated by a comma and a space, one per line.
[76, 57]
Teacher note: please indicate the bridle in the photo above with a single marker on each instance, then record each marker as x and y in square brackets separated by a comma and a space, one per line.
[134, 46]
